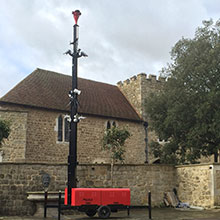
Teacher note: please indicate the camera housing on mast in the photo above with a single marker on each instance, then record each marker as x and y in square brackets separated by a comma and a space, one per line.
[77, 91]
[67, 117]
[77, 118]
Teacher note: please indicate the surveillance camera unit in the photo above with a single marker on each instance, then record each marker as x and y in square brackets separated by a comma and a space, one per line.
[76, 91]
[81, 117]
[67, 117]
[77, 118]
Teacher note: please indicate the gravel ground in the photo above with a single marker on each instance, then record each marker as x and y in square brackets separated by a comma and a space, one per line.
[137, 214]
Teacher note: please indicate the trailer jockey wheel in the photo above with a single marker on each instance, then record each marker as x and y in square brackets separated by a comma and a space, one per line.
[91, 212]
[104, 211]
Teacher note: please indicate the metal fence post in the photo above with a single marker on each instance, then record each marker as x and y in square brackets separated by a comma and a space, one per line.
[149, 204]
[45, 204]
[59, 205]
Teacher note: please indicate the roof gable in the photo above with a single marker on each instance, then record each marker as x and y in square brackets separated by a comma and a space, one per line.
[47, 89]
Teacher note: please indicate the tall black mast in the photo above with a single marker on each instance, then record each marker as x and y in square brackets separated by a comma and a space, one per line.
[74, 118]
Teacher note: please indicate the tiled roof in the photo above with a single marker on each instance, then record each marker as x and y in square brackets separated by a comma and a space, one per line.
[47, 89]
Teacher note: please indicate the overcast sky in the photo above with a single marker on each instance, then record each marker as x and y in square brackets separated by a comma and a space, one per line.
[121, 37]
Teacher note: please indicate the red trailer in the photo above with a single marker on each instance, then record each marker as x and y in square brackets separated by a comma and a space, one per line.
[99, 200]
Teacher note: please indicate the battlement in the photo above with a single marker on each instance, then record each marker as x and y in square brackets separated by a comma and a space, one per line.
[137, 88]
[142, 77]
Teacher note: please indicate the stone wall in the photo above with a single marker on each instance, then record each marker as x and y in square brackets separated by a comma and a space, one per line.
[16, 179]
[131, 88]
[137, 88]
[215, 171]
[36, 132]
[139, 178]
[199, 185]
[15, 147]
[91, 131]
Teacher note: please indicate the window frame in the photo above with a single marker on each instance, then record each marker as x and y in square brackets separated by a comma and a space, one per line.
[63, 129]
[110, 123]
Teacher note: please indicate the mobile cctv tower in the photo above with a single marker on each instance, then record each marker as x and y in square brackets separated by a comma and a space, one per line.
[89, 200]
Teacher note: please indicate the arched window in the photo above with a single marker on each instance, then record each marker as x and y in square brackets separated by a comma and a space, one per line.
[60, 128]
[67, 129]
[108, 125]
[63, 129]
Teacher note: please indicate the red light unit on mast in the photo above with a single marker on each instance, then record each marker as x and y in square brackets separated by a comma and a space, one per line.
[76, 15]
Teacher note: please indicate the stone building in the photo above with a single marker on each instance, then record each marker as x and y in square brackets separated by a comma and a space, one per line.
[37, 106]
[38, 144]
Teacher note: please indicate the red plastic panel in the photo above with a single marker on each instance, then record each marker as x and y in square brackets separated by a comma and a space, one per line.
[116, 196]
[86, 196]
[66, 196]
[99, 196]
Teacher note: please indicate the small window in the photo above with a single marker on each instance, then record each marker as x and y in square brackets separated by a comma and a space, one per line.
[60, 128]
[108, 126]
[67, 130]
[63, 129]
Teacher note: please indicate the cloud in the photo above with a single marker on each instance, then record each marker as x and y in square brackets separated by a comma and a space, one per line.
[122, 38]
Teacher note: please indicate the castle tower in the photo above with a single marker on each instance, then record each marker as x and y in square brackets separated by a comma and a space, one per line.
[137, 88]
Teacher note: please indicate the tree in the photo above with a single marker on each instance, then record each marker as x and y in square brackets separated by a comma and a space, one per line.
[186, 112]
[4, 131]
[114, 141]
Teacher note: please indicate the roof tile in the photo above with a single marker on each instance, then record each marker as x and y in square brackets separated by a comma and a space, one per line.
[47, 89]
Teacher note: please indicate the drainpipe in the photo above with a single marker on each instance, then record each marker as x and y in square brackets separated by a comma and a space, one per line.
[145, 124]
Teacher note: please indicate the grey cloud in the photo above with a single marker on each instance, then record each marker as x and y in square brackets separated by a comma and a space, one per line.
[121, 37]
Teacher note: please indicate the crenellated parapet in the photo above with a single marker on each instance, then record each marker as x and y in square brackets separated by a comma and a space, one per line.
[142, 77]
[138, 87]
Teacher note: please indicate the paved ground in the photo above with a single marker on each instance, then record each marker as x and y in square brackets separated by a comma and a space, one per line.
[140, 214]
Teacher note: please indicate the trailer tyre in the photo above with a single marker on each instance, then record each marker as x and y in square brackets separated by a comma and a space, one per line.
[91, 212]
[104, 212]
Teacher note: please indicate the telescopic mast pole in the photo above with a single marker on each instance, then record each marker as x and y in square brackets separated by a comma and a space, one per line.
[72, 158]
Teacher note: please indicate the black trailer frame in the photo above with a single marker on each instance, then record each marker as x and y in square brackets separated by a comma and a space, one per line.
[90, 210]
[86, 208]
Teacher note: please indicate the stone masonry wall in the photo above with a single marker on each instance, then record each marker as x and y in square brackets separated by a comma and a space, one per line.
[42, 145]
[16, 179]
[15, 147]
[137, 88]
[131, 88]
[215, 171]
[139, 178]
[195, 184]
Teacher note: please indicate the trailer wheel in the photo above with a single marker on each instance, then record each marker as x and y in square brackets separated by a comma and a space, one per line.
[91, 212]
[104, 212]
